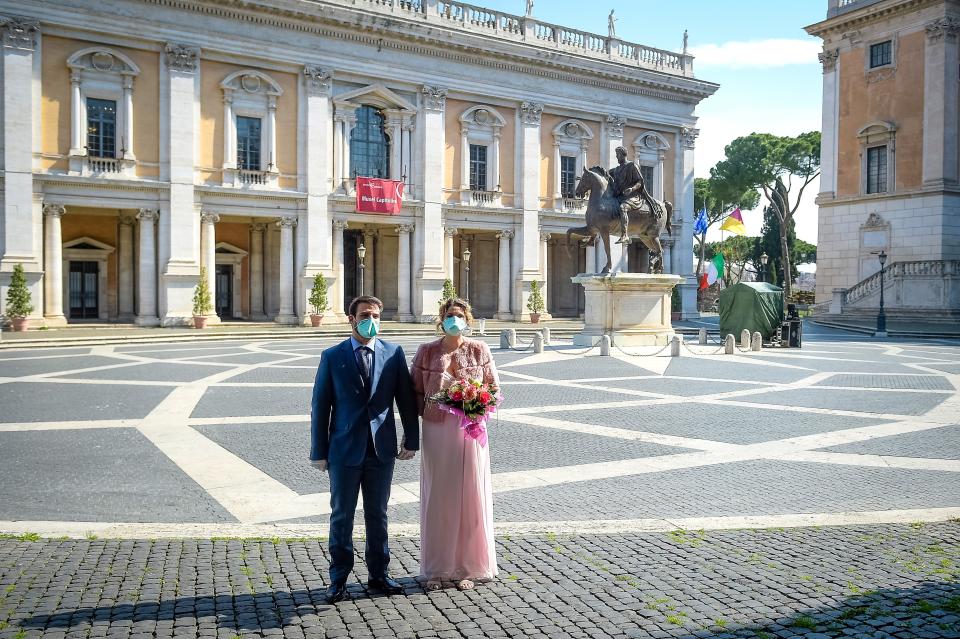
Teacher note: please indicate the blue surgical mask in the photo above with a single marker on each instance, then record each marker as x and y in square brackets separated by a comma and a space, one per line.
[368, 328]
[454, 325]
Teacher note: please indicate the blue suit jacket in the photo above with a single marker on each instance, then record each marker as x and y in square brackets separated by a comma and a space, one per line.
[342, 414]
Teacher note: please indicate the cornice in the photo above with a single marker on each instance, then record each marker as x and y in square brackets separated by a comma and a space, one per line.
[399, 34]
[861, 17]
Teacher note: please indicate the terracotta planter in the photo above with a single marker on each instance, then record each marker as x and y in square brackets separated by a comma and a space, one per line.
[199, 321]
[534, 318]
[19, 323]
[675, 315]
[315, 320]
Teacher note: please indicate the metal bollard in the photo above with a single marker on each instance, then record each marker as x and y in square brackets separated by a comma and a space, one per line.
[702, 337]
[483, 326]
[546, 335]
[508, 338]
[537, 342]
[745, 339]
[675, 346]
[605, 345]
[729, 344]
[756, 343]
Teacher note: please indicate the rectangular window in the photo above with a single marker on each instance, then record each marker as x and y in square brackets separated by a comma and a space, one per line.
[101, 128]
[647, 172]
[478, 167]
[881, 54]
[568, 175]
[877, 169]
[248, 144]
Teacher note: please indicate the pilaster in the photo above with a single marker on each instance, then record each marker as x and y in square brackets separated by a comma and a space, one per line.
[286, 314]
[147, 273]
[830, 122]
[527, 268]
[429, 238]
[940, 162]
[683, 231]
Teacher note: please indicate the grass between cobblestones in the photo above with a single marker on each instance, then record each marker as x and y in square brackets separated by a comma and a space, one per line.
[873, 581]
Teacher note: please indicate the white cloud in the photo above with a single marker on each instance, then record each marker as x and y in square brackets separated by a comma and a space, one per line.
[757, 53]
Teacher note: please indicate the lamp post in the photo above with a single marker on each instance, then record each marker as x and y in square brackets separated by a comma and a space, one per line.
[763, 266]
[466, 265]
[361, 253]
[881, 317]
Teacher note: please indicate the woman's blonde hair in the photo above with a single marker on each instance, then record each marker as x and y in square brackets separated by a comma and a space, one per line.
[446, 305]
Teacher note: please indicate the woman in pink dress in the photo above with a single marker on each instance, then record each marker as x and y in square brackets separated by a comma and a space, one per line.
[456, 500]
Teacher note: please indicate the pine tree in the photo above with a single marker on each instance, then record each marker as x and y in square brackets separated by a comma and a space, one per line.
[18, 295]
[201, 295]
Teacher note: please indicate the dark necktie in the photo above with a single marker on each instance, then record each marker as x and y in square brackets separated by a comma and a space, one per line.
[363, 362]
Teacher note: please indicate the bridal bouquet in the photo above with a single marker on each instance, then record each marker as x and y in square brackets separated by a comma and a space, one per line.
[473, 402]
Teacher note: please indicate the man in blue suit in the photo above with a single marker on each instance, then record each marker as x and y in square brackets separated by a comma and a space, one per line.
[354, 439]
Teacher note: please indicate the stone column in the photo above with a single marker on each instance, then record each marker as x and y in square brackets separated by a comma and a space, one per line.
[429, 239]
[683, 209]
[179, 223]
[229, 131]
[147, 275]
[544, 274]
[337, 289]
[346, 116]
[286, 315]
[208, 258]
[590, 263]
[396, 146]
[76, 114]
[448, 256]
[667, 256]
[53, 266]
[407, 159]
[313, 226]
[612, 138]
[493, 177]
[464, 165]
[271, 159]
[504, 276]
[125, 269]
[528, 269]
[557, 195]
[370, 263]
[21, 215]
[127, 141]
[256, 271]
[404, 314]
[940, 115]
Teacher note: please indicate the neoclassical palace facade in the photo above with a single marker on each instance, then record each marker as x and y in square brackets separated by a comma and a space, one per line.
[143, 139]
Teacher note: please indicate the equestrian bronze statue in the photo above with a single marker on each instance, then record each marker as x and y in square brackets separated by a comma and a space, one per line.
[630, 211]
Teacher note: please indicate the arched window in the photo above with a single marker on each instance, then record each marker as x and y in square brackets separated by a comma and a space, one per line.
[369, 147]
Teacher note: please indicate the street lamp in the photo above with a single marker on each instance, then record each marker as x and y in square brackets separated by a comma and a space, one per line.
[466, 265]
[881, 317]
[763, 266]
[361, 253]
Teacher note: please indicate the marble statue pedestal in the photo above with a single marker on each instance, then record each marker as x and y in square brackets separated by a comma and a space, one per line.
[632, 308]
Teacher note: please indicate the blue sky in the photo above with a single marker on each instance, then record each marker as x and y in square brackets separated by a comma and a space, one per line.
[766, 66]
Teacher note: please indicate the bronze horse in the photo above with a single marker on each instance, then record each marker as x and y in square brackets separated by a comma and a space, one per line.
[603, 218]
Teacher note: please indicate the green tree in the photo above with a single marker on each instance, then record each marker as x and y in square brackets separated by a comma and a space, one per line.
[737, 251]
[318, 294]
[719, 198]
[18, 295]
[804, 252]
[201, 295]
[770, 163]
[535, 301]
[449, 292]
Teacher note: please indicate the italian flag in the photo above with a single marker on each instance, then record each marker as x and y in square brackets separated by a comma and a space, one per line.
[712, 270]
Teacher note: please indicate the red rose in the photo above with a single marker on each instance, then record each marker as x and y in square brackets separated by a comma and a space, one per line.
[457, 396]
[485, 397]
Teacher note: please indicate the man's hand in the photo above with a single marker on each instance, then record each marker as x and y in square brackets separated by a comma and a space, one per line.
[406, 455]
[319, 464]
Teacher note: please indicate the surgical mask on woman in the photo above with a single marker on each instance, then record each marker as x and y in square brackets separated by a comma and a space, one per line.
[368, 328]
[454, 325]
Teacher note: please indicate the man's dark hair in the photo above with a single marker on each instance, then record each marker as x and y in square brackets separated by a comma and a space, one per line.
[621, 148]
[364, 299]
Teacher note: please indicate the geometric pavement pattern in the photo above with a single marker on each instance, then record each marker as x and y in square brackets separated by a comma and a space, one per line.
[634, 496]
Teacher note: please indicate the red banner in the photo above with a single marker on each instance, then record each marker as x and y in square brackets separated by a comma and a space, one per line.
[379, 196]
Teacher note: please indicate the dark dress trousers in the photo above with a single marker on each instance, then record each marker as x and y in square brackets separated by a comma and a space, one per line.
[353, 428]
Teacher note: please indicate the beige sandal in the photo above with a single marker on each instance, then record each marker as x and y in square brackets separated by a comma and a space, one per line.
[465, 584]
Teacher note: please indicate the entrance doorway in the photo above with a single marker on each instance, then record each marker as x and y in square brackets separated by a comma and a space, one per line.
[84, 290]
[224, 288]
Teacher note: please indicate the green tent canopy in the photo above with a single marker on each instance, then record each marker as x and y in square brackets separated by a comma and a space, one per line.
[755, 306]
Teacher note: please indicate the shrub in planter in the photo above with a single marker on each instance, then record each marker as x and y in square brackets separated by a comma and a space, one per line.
[202, 304]
[535, 302]
[675, 303]
[18, 299]
[318, 299]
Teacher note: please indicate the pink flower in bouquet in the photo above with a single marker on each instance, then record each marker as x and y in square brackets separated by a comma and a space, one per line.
[456, 395]
[485, 397]
[470, 393]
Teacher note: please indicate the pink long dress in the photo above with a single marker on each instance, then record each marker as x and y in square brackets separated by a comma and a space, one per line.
[456, 496]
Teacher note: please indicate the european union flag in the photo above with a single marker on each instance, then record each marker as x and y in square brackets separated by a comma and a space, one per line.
[700, 226]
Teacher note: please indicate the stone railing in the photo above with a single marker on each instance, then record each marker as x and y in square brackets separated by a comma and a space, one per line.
[498, 24]
[836, 7]
[926, 284]
[574, 203]
[484, 198]
[251, 177]
[98, 166]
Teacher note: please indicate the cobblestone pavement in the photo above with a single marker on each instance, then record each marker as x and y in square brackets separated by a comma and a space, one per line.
[635, 495]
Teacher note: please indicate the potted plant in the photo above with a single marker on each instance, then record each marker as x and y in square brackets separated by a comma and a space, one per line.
[675, 305]
[535, 302]
[318, 299]
[202, 305]
[449, 292]
[18, 300]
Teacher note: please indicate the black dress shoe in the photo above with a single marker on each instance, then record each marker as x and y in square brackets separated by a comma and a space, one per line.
[335, 593]
[387, 585]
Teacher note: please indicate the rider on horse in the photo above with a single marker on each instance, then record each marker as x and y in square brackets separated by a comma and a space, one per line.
[629, 187]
